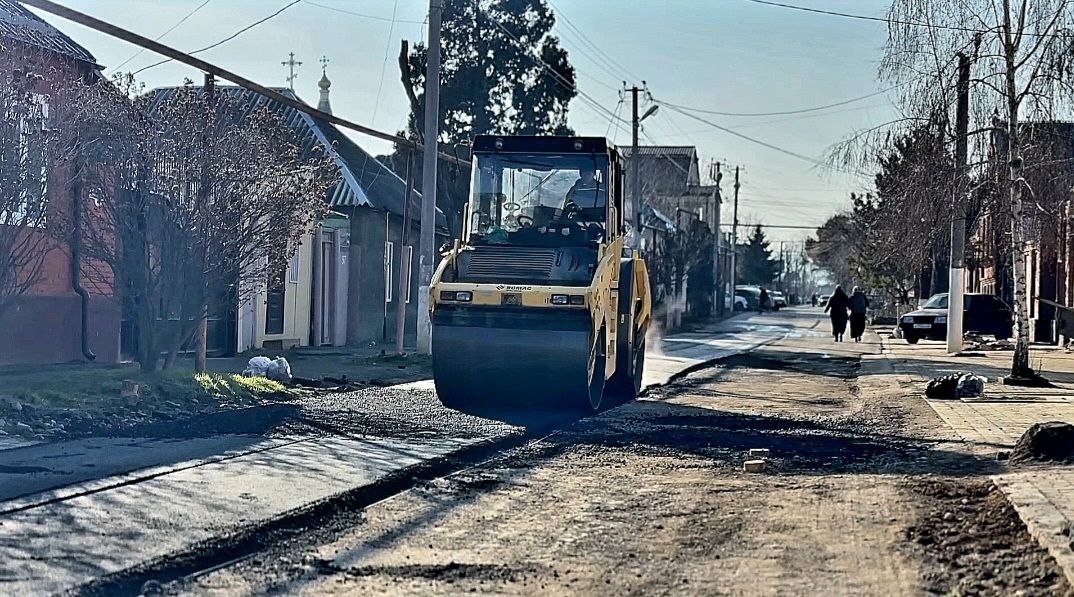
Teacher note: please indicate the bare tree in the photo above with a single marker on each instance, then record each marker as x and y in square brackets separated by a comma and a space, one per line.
[1021, 50]
[174, 236]
[25, 155]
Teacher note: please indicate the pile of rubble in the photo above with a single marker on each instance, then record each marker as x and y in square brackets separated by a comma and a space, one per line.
[955, 386]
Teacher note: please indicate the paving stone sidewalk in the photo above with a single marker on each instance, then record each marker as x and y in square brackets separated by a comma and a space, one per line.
[1044, 495]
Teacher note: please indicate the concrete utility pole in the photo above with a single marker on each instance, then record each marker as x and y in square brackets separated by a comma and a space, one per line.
[957, 280]
[404, 262]
[714, 218]
[782, 267]
[635, 162]
[427, 259]
[734, 242]
[291, 63]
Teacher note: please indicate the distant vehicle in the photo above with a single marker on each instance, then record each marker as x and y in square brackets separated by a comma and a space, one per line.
[778, 300]
[735, 302]
[984, 314]
[823, 299]
[752, 295]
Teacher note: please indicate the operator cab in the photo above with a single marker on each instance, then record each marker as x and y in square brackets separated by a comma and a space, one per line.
[542, 192]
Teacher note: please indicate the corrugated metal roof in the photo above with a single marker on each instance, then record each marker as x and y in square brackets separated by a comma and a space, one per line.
[364, 180]
[22, 26]
[685, 151]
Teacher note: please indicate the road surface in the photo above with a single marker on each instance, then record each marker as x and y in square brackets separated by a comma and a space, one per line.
[74, 512]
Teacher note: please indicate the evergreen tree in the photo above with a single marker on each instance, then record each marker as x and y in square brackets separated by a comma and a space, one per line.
[503, 72]
[755, 263]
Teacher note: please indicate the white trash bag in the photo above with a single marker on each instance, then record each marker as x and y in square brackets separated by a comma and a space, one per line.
[257, 367]
[279, 370]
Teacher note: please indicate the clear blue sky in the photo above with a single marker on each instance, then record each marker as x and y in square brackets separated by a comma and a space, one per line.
[724, 55]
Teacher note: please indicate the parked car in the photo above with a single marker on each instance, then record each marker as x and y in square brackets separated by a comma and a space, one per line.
[823, 299]
[983, 313]
[737, 303]
[778, 300]
[752, 295]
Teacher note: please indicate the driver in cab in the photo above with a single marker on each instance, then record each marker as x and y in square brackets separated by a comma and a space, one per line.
[587, 182]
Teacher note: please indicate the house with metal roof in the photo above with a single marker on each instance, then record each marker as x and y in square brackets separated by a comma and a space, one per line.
[341, 286]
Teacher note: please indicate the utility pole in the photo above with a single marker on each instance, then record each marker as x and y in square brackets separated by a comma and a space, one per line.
[291, 63]
[714, 218]
[201, 336]
[427, 258]
[957, 280]
[404, 259]
[734, 241]
[782, 266]
[635, 161]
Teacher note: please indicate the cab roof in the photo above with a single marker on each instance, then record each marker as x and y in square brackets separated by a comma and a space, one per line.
[542, 144]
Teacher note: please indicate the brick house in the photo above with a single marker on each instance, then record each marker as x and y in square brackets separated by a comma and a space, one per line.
[1048, 148]
[58, 318]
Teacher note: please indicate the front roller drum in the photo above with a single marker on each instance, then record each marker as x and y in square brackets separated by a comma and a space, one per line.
[509, 360]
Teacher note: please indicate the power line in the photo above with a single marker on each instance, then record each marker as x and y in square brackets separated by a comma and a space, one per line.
[226, 39]
[750, 139]
[359, 14]
[384, 65]
[891, 21]
[559, 78]
[608, 60]
[162, 35]
[139, 40]
[787, 112]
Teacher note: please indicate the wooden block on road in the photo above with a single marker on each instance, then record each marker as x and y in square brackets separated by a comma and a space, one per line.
[754, 466]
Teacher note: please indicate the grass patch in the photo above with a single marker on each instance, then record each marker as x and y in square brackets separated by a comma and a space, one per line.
[89, 386]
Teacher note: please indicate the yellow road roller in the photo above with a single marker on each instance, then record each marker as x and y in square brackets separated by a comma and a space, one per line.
[540, 303]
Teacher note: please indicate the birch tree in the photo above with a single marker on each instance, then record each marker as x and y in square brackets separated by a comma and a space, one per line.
[1022, 60]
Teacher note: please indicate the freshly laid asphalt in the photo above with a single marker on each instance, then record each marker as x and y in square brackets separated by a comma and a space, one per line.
[71, 512]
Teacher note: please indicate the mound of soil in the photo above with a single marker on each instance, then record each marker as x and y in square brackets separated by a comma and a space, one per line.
[1045, 442]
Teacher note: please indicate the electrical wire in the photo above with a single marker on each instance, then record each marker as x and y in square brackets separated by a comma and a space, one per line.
[788, 112]
[609, 62]
[384, 65]
[162, 35]
[735, 133]
[547, 68]
[891, 21]
[359, 14]
[225, 40]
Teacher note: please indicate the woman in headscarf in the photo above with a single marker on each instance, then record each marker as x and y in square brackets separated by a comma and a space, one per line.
[837, 307]
[859, 307]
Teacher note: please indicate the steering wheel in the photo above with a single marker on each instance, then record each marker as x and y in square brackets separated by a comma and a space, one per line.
[524, 221]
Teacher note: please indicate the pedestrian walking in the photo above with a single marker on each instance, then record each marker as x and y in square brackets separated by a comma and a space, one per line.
[859, 307]
[813, 299]
[762, 301]
[837, 307]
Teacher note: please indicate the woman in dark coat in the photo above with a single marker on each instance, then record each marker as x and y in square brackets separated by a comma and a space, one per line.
[837, 307]
[859, 308]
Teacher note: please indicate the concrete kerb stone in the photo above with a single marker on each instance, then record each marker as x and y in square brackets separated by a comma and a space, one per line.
[1045, 523]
